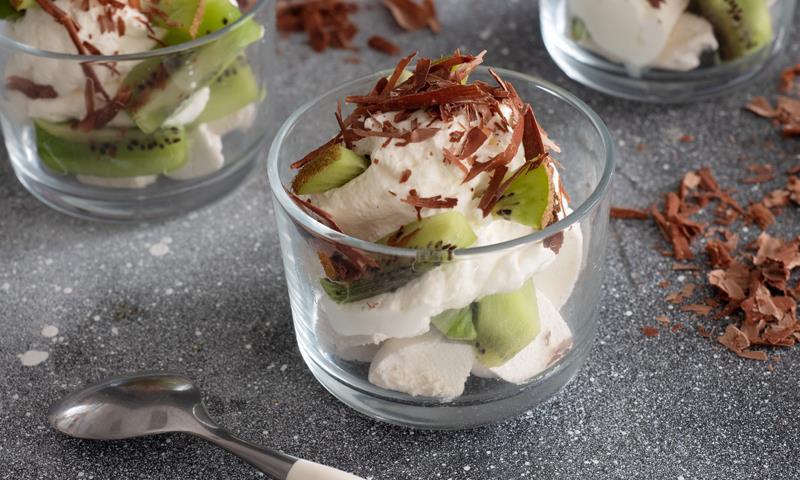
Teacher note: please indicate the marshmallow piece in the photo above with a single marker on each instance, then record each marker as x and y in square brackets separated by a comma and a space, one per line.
[205, 154]
[631, 30]
[552, 342]
[190, 109]
[557, 281]
[691, 36]
[239, 120]
[428, 365]
[358, 348]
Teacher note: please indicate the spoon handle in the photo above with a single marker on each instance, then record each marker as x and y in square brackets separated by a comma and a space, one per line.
[272, 462]
[275, 464]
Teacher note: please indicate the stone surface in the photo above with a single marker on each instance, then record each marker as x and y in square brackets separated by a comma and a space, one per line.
[205, 295]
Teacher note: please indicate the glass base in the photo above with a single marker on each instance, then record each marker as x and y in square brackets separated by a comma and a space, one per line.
[125, 206]
[426, 414]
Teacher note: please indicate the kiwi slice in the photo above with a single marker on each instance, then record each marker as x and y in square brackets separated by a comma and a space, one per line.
[456, 324]
[159, 87]
[445, 231]
[434, 236]
[332, 168]
[505, 323]
[529, 198]
[110, 152]
[741, 26]
[235, 88]
[13, 9]
[186, 20]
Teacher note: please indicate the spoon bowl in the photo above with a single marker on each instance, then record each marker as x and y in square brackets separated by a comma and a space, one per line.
[128, 407]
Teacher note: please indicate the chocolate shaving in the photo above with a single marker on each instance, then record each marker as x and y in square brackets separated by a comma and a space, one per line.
[405, 176]
[436, 201]
[649, 331]
[383, 45]
[413, 16]
[30, 89]
[629, 214]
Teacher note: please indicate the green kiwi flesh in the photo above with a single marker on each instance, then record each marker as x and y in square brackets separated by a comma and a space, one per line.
[235, 88]
[741, 26]
[529, 198]
[434, 236]
[110, 152]
[456, 324]
[445, 231]
[332, 168]
[159, 87]
[181, 15]
[506, 323]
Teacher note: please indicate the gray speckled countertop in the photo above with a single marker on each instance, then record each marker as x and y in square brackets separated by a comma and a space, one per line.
[215, 306]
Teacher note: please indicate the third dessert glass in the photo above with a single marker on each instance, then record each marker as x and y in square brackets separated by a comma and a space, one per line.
[134, 109]
[439, 274]
[665, 50]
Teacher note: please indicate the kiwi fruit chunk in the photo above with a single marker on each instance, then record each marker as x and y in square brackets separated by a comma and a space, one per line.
[741, 26]
[186, 20]
[578, 30]
[456, 324]
[332, 168]
[159, 87]
[505, 323]
[13, 9]
[529, 199]
[445, 231]
[235, 88]
[436, 237]
[110, 152]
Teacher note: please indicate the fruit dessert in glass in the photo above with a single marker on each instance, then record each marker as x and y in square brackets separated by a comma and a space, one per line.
[133, 109]
[431, 246]
[707, 46]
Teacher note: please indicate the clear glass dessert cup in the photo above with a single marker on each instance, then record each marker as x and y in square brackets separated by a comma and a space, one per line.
[658, 85]
[124, 172]
[572, 283]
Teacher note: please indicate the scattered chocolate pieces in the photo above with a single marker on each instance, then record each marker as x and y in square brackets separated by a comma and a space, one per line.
[786, 113]
[326, 22]
[381, 44]
[753, 285]
[649, 331]
[412, 16]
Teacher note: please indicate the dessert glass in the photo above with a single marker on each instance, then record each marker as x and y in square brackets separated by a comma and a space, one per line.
[656, 85]
[588, 161]
[160, 196]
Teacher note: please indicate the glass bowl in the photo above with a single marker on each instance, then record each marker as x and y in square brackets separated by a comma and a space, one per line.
[336, 353]
[652, 84]
[117, 172]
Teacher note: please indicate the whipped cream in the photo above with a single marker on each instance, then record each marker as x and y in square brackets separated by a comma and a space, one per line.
[365, 209]
[40, 30]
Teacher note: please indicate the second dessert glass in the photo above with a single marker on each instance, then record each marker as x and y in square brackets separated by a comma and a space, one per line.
[118, 173]
[588, 160]
[656, 84]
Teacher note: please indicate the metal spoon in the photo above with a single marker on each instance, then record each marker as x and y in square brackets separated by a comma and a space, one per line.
[154, 403]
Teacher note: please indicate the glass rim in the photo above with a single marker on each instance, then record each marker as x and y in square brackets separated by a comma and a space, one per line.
[7, 42]
[323, 231]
